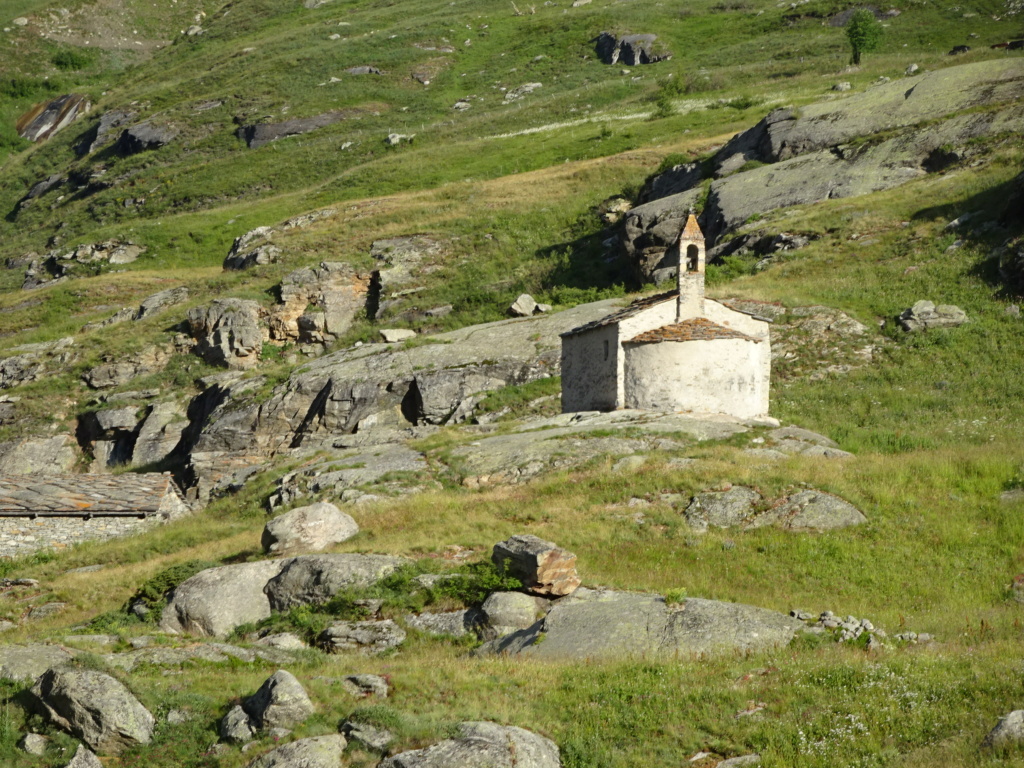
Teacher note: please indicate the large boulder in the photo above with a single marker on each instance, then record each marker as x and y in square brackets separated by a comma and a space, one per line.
[544, 568]
[483, 745]
[309, 529]
[316, 752]
[334, 288]
[507, 612]
[215, 601]
[615, 625]
[159, 433]
[281, 702]
[228, 332]
[95, 708]
[314, 579]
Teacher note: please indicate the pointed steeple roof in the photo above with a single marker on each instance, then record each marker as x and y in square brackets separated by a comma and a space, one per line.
[692, 229]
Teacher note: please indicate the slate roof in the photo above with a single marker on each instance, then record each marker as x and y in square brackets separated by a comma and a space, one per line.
[81, 495]
[632, 309]
[694, 329]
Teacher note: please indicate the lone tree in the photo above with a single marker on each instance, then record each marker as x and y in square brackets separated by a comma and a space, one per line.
[864, 33]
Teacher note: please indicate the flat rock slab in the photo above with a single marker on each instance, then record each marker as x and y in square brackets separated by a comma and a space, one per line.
[25, 663]
[483, 745]
[210, 653]
[627, 625]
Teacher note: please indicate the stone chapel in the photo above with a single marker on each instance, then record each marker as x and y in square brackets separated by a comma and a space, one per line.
[674, 351]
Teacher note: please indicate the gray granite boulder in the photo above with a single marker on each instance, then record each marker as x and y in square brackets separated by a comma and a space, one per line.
[722, 509]
[506, 612]
[483, 745]
[1008, 731]
[143, 137]
[84, 758]
[629, 625]
[316, 752]
[925, 315]
[310, 528]
[280, 702]
[366, 685]
[313, 579]
[369, 737]
[631, 50]
[215, 601]
[237, 727]
[369, 637]
[452, 623]
[95, 708]
[817, 511]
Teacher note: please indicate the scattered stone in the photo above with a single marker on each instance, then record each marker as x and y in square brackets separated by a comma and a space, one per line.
[543, 567]
[280, 702]
[844, 86]
[95, 708]
[363, 70]
[369, 737]
[84, 758]
[515, 94]
[366, 685]
[371, 637]
[237, 727]
[629, 464]
[310, 528]
[33, 743]
[911, 70]
[483, 745]
[284, 640]
[630, 50]
[736, 762]
[524, 306]
[1009, 730]
[957, 50]
[258, 256]
[395, 335]
[925, 315]
[316, 752]
[178, 717]
[143, 137]
[21, 21]
[394, 139]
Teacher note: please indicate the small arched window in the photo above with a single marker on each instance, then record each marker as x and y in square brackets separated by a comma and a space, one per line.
[692, 256]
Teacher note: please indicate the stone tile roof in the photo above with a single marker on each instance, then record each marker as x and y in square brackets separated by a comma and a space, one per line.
[634, 308]
[692, 229]
[80, 495]
[694, 329]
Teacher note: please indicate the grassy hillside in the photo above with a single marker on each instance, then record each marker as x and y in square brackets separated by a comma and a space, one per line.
[513, 190]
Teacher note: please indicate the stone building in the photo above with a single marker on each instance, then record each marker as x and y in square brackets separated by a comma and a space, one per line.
[57, 511]
[674, 351]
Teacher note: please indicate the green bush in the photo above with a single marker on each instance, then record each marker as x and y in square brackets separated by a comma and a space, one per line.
[70, 60]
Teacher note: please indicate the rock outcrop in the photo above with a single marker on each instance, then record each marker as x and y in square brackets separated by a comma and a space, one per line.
[335, 289]
[370, 637]
[314, 579]
[925, 315]
[810, 155]
[45, 119]
[483, 745]
[228, 332]
[631, 50]
[95, 708]
[315, 752]
[144, 136]
[25, 663]
[256, 136]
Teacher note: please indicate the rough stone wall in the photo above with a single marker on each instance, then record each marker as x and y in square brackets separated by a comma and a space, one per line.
[23, 535]
[720, 376]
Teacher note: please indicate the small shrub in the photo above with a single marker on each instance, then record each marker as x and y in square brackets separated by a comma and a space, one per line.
[482, 578]
[675, 596]
[69, 60]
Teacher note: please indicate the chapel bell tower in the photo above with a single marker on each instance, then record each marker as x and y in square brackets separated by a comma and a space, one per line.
[690, 274]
